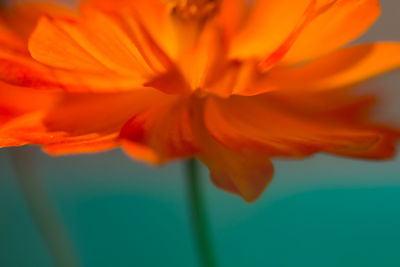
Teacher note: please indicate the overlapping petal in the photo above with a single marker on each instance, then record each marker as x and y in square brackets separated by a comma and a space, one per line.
[343, 68]
[17, 66]
[94, 53]
[161, 132]
[16, 102]
[202, 62]
[79, 122]
[289, 126]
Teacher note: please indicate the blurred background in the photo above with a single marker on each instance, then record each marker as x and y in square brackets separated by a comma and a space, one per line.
[323, 211]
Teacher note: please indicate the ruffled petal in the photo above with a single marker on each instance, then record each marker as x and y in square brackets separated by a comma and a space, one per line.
[16, 102]
[161, 132]
[343, 22]
[290, 126]
[31, 129]
[79, 122]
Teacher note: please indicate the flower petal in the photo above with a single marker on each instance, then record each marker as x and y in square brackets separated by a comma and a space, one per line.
[97, 45]
[153, 15]
[265, 30]
[67, 53]
[202, 62]
[339, 69]
[289, 126]
[16, 102]
[21, 70]
[84, 144]
[231, 17]
[79, 122]
[16, 65]
[86, 73]
[161, 132]
[243, 172]
[341, 23]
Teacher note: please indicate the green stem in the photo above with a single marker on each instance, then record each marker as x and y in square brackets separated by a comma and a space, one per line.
[199, 215]
[43, 213]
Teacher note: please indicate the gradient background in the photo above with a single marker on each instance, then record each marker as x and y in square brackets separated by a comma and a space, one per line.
[323, 211]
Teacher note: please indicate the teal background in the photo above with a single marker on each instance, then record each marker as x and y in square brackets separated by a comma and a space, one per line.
[324, 211]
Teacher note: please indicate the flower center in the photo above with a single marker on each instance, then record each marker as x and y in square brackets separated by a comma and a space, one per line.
[193, 9]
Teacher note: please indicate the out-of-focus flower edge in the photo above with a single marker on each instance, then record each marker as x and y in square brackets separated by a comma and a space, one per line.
[231, 83]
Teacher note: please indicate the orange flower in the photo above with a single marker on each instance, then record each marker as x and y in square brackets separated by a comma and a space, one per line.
[231, 83]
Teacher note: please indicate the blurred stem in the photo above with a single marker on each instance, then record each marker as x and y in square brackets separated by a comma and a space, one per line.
[199, 214]
[44, 214]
